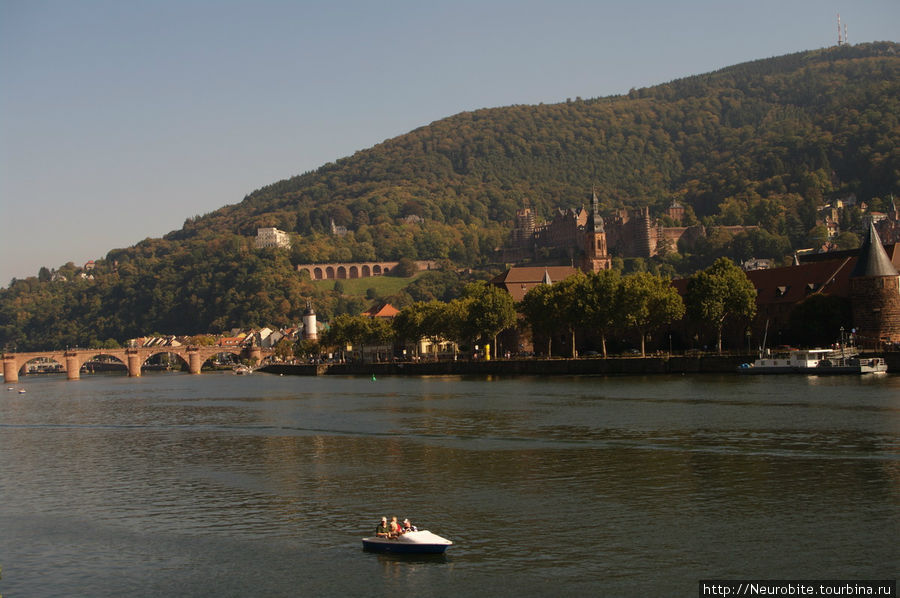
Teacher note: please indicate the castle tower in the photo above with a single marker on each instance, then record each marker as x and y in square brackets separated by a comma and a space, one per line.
[596, 257]
[676, 211]
[875, 293]
[645, 241]
[310, 332]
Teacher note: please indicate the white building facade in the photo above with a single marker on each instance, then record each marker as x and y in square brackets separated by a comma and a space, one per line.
[272, 237]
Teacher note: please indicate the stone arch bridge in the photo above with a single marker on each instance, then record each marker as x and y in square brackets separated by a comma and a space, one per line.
[72, 359]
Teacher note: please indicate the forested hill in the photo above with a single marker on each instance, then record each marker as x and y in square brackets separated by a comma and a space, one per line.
[763, 143]
[786, 130]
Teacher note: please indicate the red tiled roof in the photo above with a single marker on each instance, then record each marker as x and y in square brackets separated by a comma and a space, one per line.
[792, 284]
[518, 281]
[383, 310]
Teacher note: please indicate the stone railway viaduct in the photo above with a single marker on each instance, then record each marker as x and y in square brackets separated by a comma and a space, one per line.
[347, 270]
[72, 359]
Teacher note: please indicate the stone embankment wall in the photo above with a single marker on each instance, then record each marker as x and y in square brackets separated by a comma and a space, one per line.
[707, 364]
[531, 367]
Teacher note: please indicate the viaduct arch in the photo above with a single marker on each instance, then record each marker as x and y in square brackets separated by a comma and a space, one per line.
[345, 270]
[72, 359]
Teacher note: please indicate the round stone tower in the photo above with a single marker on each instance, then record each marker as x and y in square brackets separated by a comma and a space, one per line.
[309, 323]
[875, 293]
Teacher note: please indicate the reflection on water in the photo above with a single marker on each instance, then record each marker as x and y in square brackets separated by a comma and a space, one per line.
[260, 485]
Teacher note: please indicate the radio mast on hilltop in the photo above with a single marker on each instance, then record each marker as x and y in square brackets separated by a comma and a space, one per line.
[842, 40]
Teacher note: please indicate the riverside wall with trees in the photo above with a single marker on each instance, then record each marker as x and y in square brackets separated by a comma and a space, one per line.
[556, 319]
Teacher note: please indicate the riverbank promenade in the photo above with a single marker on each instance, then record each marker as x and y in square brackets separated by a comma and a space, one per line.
[664, 364]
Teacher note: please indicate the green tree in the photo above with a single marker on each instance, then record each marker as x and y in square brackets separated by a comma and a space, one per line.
[306, 348]
[719, 293]
[408, 325]
[424, 320]
[345, 330]
[538, 308]
[456, 321]
[491, 310]
[569, 304]
[405, 268]
[378, 332]
[284, 349]
[846, 240]
[602, 304]
[647, 302]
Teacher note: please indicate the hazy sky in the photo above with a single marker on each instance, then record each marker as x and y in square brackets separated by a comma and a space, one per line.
[119, 119]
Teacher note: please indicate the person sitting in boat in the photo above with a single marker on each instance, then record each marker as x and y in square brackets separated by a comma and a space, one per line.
[408, 527]
[394, 528]
[383, 530]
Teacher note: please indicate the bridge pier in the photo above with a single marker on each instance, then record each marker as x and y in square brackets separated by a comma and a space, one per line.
[134, 363]
[73, 367]
[195, 361]
[10, 369]
[255, 356]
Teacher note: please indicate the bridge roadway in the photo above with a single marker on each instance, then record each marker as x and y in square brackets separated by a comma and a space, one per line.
[72, 359]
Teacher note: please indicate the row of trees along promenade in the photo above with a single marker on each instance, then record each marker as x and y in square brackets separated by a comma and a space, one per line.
[597, 304]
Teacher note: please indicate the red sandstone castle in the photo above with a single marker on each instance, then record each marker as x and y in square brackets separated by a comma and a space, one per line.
[584, 239]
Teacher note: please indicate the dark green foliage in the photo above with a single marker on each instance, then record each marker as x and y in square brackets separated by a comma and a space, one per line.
[817, 321]
[721, 292]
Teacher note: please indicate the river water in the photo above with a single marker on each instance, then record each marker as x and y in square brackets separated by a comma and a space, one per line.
[222, 485]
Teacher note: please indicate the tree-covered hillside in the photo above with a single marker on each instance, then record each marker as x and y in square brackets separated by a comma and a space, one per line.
[763, 143]
[759, 143]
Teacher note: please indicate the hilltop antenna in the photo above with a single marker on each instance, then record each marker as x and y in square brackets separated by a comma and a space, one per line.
[846, 39]
[840, 39]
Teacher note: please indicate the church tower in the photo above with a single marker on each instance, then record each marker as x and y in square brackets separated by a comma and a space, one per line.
[596, 257]
[875, 293]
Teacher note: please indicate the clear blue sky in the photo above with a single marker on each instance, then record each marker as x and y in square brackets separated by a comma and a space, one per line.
[119, 119]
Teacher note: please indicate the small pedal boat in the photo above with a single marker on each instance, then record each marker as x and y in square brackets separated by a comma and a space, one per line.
[421, 542]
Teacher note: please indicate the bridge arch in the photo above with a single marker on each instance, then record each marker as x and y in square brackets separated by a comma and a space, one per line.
[354, 271]
[182, 358]
[317, 273]
[59, 360]
[214, 352]
[89, 356]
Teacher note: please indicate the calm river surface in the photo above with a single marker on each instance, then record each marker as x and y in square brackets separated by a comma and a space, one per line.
[222, 485]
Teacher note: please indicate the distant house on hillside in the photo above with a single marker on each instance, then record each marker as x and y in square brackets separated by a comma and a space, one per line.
[272, 237]
[338, 230]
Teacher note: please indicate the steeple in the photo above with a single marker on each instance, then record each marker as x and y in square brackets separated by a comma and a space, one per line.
[596, 221]
[873, 260]
[595, 257]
